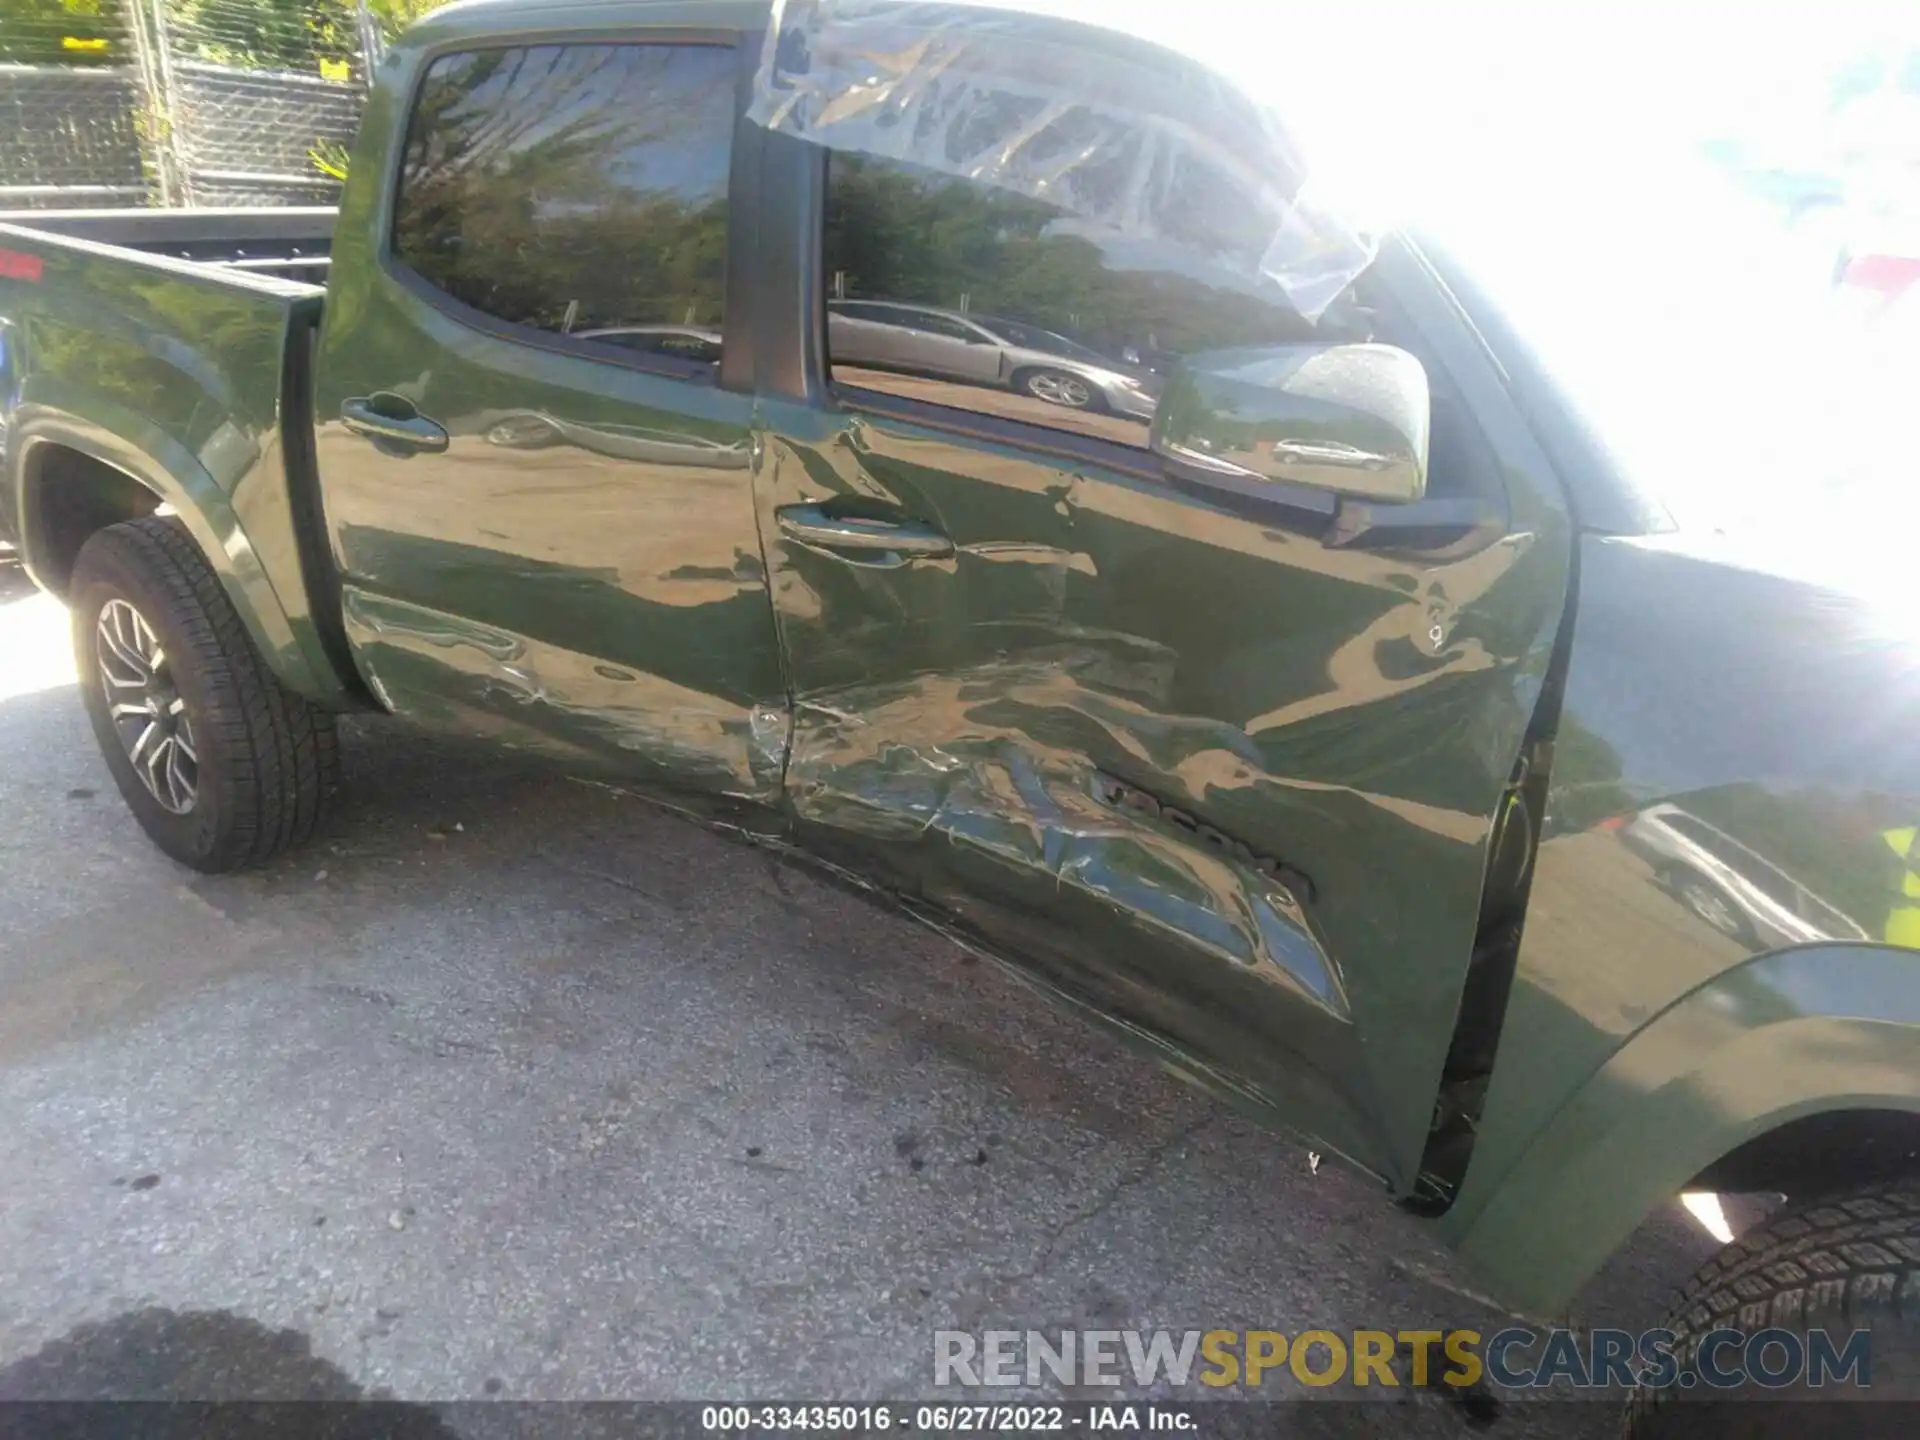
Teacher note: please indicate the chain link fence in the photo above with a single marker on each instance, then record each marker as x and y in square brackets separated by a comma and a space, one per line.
[184, 102]
[70, 107]
[73, 137]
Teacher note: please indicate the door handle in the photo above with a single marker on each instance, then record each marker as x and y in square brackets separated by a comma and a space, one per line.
[395, 434]
[860, 540]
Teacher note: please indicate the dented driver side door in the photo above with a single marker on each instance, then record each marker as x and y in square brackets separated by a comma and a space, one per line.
[1202, 766]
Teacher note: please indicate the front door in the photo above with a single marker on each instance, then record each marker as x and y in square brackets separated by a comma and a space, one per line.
[545, 531]
[1195, 758]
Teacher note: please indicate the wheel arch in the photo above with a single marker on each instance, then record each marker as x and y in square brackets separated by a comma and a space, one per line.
[1820, 1150]
[67, 494]
[1762, 1079]
[72, 478]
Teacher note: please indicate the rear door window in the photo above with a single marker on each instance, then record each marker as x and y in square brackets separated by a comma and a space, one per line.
[570, 188]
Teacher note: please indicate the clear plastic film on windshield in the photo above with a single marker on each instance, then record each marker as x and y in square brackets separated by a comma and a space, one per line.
[1121, 135]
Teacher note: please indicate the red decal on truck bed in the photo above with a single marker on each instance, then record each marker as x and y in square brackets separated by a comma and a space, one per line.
[15, 266]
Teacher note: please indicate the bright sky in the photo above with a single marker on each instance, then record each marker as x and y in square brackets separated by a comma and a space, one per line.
[1557, 145]
[1407, 92]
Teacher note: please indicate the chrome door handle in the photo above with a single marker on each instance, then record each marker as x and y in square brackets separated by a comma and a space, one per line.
[863, 541]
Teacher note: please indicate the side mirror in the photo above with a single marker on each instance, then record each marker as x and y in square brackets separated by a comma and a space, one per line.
[1345, 419]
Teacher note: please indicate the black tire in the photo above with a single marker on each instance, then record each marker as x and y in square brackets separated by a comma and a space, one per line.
[1032, 382]
[1842, 1263]
[265, 761]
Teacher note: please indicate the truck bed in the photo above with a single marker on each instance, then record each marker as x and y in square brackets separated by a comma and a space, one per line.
[293, 243]
[192, 376]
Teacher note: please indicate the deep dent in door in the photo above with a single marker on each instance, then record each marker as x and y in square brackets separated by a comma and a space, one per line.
[473, 677]
[977, 732]
[958, 755]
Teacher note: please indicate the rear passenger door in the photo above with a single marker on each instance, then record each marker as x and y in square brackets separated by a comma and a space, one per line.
[1220, 765]
[542, 534]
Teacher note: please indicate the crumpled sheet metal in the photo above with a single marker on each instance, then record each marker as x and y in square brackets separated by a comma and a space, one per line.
[1133, 140]
[465, 675]
[960, 757]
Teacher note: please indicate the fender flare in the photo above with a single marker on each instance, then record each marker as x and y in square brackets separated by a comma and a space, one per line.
[178, 480]
[1800, 1032]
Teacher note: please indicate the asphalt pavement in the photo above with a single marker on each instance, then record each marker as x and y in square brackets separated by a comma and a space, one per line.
[514, 1087]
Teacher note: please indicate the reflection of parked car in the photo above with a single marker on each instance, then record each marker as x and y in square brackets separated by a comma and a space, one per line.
[1733, 889]
[988, 351]
[678, 342]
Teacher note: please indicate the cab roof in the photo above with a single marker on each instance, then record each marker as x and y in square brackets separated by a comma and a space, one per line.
[507, 16]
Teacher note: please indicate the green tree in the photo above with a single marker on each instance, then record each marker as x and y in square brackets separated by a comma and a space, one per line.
[396, 15]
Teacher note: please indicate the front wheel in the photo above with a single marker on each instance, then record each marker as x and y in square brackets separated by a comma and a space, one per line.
[1819, 1275]
[1059, 387]
[222, 765]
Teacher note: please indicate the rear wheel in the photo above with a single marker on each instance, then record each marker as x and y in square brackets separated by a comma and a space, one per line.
[222, 765]
[1846, 1263]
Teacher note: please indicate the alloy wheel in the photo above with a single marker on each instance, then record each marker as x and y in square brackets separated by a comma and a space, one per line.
[148, 711]
[1061, 390]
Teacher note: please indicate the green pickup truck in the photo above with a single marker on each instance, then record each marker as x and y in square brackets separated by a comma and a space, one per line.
[895, 435]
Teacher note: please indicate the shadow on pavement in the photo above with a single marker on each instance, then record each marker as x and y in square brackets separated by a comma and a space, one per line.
[194, 1375]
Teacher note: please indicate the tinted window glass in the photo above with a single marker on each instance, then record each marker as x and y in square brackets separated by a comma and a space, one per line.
[1686, 826]
[1735, 856]
[946, 325]
[1774, 883]
[1700, 833]
[574, 187]
[1085, 323]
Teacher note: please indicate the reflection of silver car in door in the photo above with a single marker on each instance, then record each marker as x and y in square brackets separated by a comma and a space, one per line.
[987, 350]
[1740, 893]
